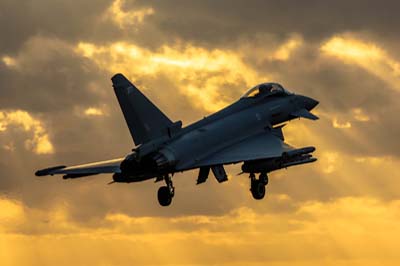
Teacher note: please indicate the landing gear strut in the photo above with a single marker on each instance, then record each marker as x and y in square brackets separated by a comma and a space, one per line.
[257, 186]
[166, 193]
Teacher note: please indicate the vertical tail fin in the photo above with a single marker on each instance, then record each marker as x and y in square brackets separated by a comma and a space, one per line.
[145, 121]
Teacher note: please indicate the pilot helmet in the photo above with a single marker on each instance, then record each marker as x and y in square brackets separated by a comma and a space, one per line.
[263, 88]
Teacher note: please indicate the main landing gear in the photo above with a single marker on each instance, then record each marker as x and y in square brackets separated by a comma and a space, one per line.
[257, 186]
[166, 193]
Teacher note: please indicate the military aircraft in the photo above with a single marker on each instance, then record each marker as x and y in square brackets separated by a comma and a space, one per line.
[249, 131]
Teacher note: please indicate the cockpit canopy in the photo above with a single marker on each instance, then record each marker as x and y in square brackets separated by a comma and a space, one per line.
[266, 89]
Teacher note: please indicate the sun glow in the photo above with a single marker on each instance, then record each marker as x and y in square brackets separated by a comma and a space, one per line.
[347, 223]
[198, 73]
[367, 55]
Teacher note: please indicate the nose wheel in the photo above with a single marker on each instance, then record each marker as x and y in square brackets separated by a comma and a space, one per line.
[166, 193]
[257, 186]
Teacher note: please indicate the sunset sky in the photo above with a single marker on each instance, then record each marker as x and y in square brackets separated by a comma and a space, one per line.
[192, 58]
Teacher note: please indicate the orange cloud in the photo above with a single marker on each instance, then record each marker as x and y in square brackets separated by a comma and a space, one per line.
[329, 161]
[346, 231]
[9, 61]
[337, 124]
[200, 74]
[366, 55]
[93, 111]
[285, 50]
[124, 18]
[40, 142]
[360, 115]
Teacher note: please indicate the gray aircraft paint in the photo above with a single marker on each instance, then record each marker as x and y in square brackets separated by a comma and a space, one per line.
[246, 131]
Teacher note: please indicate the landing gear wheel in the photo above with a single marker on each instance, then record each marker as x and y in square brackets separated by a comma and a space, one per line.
[257, 189]
[164, 196]
[166, 193]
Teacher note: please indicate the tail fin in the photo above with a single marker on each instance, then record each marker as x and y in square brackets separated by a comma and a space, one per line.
[145, 121]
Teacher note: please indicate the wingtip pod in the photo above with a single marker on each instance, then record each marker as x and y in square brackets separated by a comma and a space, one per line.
[48, 171]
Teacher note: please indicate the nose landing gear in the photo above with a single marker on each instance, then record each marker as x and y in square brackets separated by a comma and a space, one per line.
[166, 193]
[257, 186]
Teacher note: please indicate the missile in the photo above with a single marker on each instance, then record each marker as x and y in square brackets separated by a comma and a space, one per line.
[302, 161]
[297, 152]
[290, 158]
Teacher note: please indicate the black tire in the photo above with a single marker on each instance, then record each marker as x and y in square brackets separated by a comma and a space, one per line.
[257, 189]
[164, 196]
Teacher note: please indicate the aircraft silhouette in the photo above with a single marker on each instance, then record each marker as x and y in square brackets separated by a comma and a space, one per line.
[249, 131]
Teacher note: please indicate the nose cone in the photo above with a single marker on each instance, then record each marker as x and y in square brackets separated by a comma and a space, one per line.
[309, 103]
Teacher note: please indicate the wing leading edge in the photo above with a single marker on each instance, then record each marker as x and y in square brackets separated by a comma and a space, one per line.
[263, 145]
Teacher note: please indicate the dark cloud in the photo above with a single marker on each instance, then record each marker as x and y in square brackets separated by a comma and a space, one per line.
[21, 20]
[48, 77]
[221, 22]
[207, 23]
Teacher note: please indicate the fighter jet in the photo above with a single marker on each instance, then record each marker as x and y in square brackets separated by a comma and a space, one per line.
[249, 131]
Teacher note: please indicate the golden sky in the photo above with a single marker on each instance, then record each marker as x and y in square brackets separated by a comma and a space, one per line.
[192, 58]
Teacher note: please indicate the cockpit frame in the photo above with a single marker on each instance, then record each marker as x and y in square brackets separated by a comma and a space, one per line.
[266, 89]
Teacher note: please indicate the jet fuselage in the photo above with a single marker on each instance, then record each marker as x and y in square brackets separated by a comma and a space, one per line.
[246, 117]
[247, 132]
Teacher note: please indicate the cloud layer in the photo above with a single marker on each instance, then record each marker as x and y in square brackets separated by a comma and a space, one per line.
[191, 58]
[340, 232]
